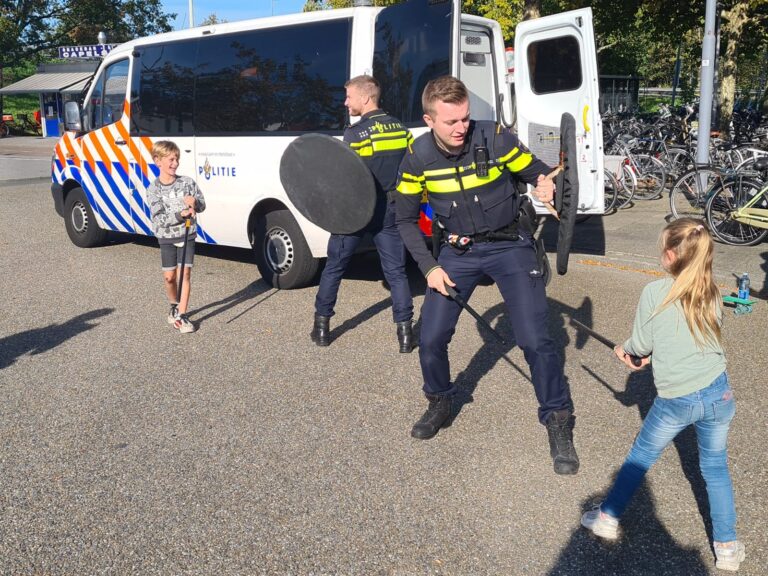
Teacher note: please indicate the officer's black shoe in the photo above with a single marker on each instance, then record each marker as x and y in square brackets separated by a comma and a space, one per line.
[434, 418]
[561, 448]
[321, 332]
[405, 336]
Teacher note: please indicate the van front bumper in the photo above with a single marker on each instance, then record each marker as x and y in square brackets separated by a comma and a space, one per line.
[57, 191]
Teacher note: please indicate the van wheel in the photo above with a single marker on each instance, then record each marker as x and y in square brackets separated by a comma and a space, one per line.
[282, 254]
[80, 221]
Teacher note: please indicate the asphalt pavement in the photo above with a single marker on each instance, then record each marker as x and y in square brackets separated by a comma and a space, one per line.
[24, 157]
[243, 448]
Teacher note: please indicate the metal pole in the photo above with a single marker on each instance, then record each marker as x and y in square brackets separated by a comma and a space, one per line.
[676, 74]
[706, 83]
[191, 15]
[716, 69]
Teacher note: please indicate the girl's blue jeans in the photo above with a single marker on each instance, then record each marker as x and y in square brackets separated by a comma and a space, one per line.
[710, 410]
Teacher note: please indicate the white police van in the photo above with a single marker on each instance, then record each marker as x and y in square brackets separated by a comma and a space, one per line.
[233, 96]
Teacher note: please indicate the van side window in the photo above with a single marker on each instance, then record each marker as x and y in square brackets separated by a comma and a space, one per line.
[285, 79]
[108, 96]
[554, 65]
[164, 81]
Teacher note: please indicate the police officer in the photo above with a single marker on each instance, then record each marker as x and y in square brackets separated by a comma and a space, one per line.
[468, 169]
[381, 141]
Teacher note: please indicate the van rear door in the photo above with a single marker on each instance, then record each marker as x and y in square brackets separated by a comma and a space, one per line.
[556, 72]
[419, 40]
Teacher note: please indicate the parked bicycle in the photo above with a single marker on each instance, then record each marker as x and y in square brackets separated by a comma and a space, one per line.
[690, 193]
[25, 125]
[737, 211]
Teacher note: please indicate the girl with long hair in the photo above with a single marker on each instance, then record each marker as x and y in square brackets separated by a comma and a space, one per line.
[677, 324]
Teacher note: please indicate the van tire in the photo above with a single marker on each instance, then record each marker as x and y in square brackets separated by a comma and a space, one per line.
[282, 253]
[80, 221]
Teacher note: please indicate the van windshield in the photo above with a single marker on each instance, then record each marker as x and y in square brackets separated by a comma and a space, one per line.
[412, 46]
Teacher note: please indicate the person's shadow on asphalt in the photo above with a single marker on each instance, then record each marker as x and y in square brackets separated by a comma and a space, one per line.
[242, 296]
[644, 546]
[492, 351]
[41, 340]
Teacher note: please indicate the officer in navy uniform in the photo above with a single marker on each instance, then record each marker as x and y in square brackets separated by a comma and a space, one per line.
[468, 169]
[381, 141]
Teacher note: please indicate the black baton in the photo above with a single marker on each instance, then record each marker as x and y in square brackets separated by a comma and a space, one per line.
[463, 303]
[183, 258]
[636, 361]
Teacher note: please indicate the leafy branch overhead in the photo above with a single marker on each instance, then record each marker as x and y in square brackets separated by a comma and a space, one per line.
[30, 28]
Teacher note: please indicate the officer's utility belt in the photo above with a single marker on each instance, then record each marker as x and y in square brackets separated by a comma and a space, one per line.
[509, 232]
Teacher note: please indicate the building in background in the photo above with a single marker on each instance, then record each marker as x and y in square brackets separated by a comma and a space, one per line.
[55, 84]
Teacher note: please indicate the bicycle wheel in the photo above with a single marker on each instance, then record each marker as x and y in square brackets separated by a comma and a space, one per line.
[678, 161]
[610, 191]
[722, 205]
[651, 176]
[689, 194]
[627, 182]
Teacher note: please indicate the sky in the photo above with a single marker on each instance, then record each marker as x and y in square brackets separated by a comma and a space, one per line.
[229, 10]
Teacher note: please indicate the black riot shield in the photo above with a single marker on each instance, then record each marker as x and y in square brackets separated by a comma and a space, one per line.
[567, 196]
[328, 183]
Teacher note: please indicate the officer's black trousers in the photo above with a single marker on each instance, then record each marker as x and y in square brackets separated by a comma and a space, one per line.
[508, 264]
[391, 251]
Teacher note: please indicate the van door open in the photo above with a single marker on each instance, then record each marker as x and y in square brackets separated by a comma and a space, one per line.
[419, 40]
[556, 72]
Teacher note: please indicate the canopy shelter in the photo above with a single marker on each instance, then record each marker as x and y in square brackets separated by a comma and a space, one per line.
[42, 82]
[55, 84]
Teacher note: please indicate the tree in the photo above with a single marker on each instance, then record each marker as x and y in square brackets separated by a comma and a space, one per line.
[29, 28]
[742, 25]
[212, 19]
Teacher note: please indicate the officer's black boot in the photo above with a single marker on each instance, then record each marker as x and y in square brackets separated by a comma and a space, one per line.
[321, 332]
[433, 419]
[561, 448]
[405, 336]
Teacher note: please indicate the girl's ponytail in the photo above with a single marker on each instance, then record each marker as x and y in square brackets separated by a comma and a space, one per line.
[694, 286]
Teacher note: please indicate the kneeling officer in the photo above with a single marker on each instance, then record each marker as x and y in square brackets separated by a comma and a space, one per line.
[468, 170]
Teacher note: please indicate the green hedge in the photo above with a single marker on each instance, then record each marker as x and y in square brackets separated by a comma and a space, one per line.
[21, 104]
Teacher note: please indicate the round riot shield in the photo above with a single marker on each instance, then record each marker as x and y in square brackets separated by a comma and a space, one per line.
[328, 183]
[567, 196]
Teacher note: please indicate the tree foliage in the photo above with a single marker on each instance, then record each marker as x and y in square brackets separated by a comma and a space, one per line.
[211, 20]
[30, 28]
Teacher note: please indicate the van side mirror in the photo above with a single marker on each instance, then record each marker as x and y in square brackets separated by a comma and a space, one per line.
[72, 119]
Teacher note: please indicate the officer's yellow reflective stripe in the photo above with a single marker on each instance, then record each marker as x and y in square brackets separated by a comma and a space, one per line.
[410, 184]
[449, 171]
[468, 181]
[519, 163]
[398, 134]
[441, 172]
[409, 187]
[381, 143]
[506, 158]
[398, 144]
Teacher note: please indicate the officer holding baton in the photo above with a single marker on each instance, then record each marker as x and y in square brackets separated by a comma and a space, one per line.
[468, 170]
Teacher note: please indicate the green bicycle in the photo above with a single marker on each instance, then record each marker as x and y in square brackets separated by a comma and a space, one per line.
[737, 212]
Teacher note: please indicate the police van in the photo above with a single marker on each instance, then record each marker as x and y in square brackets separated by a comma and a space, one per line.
[234, 95]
